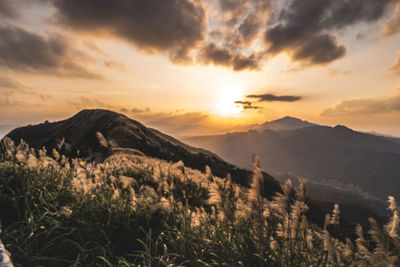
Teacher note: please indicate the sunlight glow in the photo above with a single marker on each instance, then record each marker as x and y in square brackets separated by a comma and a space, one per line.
[225, 105]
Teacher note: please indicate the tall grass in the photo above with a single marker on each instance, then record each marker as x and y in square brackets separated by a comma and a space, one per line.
[133, 210]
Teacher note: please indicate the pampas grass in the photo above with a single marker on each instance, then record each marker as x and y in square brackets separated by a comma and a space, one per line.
[132, 210]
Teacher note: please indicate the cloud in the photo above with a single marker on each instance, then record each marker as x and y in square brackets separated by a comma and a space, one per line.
[395, 69]
[364, 106]
[6, 82]
[219, 56]
[7, 10]
[179, 123]
[271, 97]
[247, 31]
[392, 27]
[13, 93]
[105, 58]
[235, 34]
[174, 26]
[252, 107]
[21, 50]
[139, 111]
[177, 27]
[304, 28]
[335, 72]
[231, 41]
[247, 105]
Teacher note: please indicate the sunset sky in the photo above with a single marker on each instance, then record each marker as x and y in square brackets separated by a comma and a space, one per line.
[202, 66]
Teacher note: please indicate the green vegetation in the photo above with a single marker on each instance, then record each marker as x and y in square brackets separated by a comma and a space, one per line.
[133, 210]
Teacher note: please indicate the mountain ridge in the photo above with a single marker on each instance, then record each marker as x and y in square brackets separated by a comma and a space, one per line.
[315, 152]
[79, 134]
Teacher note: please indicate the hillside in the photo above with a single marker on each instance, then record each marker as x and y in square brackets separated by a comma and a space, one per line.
[79, 134]
[133, 210]
[336, 155]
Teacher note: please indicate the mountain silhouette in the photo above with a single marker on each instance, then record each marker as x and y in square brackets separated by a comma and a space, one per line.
[337, 154]
[79, 136]
[285, 123]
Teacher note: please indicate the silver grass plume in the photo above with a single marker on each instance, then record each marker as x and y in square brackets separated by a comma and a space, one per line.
[9, 147]
[208, 173]
[5, 260]
[335, 215]
[301, 190]
[255, 191]
[349, 248]
[56, 155]
[328, 246]
[102, 140]
[379, 237]
[228, 181]
[327, 220]
[362, 243]
[392, 227]
[60, 144]
[215, 195]
[281, 201]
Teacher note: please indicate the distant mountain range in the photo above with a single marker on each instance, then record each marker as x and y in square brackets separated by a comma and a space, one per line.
[336, 155]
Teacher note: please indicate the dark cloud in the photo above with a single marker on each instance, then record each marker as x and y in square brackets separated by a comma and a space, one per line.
[393, 25]
[219, 56]
[303, 28]
[247, 103]
[175, 26]
[252, 107]
[364, 106]
[21, 50]
[7, 10]
[271, 97]
[240, 21]
[248, 29]
[395, 69]
[319, 49]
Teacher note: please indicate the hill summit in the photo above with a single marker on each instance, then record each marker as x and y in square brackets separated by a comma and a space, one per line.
[285, 123]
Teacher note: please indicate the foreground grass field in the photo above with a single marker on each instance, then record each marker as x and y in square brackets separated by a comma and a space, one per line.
[133, 210]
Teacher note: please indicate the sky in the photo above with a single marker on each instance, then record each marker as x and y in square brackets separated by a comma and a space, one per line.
[196, 67]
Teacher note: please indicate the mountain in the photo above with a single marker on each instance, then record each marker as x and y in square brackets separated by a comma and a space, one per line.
[79, 138]
[365, 163]
[285, 123]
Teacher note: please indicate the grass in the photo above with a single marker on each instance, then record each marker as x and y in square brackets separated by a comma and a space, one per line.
[133, 210]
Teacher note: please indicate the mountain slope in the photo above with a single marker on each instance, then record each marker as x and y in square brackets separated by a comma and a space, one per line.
[79, 134]
[320, 153]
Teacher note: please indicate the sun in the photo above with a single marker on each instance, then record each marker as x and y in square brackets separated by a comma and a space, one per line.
[225, 105]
